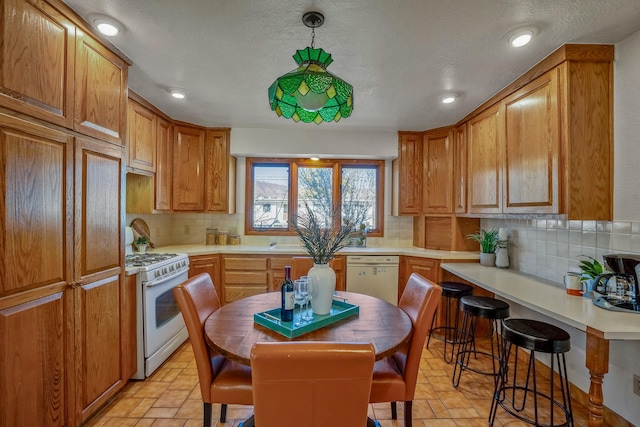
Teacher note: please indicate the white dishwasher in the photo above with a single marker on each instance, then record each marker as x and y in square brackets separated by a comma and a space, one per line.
[375, 275]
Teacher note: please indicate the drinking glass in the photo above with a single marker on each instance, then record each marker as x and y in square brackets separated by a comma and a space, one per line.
[299, 290]
[308, 314]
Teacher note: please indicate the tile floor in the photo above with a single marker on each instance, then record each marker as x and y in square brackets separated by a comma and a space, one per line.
[171, 397]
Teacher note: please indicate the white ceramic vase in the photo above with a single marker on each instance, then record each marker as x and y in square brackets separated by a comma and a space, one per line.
[323, 284]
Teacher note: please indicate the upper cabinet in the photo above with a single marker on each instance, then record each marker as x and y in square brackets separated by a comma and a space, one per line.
[220, 169]
[37, 56]
[100, 90]
[531, 163]
[188, 168]
[408, 174]
[437, 181]
[141, 137]
[460, 169]
[53, 70]
[485, 150]
[544, 144]
[164, 164]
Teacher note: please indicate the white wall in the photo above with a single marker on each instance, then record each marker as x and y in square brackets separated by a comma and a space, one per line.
[627, 129]
[311, 139]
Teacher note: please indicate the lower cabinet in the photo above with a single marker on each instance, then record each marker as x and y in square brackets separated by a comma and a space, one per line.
[207, 264]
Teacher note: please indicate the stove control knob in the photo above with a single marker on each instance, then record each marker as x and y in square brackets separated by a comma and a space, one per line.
[164, 270]
[172, 267]
[157, 273]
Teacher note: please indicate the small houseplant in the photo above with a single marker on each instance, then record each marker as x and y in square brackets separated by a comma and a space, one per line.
[141, 243]
[589, 270]
[488, 240]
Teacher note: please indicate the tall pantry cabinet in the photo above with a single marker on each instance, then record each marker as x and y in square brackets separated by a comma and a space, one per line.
[61, 213]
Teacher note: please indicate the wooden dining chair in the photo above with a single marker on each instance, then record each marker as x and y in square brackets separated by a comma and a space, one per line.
[395, 377]
[314, 384]
[221, 380]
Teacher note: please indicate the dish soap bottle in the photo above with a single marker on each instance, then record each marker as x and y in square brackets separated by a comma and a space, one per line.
[288, 297]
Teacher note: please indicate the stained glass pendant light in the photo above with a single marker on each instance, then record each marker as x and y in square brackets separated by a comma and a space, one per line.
[310, 93]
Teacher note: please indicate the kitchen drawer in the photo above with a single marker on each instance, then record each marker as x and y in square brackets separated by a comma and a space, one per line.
[234, 292]
[245, 264]
[278, 264]
[245, 278]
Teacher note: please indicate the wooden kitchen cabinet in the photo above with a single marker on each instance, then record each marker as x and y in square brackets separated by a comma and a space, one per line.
[244, 276]
[141, 138]
[485, 145]
[128, 327]
[437, 178]
[276, 272]
[210, 264]
[188, 168]
[220, 168]
[407, 171]
[460, 169]
[531, 181]
[164, 165]
[100, 96]
[37, 57]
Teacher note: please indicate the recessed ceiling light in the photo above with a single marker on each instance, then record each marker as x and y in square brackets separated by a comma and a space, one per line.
[521, 39]
[448, 98]
[178, 93]
[314, 158]
[106, 24]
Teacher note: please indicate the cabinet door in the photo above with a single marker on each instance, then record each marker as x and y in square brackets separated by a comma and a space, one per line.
[460, 169]
[36, 278]
[207, 264]
[128, 327]
[219, 182]
[438, 172]
[532, 145]
[100, 90]
[98, 269]
[164, 164]
[141, 138]
[37, 55]
[409, 170]
[188, 169]
[485, 148]
[98, 344]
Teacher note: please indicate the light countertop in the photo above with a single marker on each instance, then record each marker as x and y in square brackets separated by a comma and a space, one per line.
[297, 249]
[549, 300]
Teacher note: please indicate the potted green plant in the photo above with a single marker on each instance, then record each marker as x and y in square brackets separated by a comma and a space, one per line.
[488, 240]
[141, 243]
[589, 270]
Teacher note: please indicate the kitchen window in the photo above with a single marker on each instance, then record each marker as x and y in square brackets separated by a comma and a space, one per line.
[277, 189]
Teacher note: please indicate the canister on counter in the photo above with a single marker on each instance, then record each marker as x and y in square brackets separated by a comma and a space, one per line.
[222, 237]
[234, 239]
[212, 235]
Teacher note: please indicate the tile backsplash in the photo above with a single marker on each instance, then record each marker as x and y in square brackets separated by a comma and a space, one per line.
[548, 248]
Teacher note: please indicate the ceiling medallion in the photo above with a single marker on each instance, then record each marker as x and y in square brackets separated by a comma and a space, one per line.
[310, 93]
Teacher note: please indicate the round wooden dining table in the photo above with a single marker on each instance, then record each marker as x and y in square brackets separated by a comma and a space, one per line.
[231, 331]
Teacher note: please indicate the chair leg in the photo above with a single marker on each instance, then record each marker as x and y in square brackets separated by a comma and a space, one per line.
[207, 414]
[223, 413]
[407, 413]
[394, 411]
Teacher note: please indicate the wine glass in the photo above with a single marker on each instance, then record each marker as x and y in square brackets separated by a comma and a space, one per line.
[299, 290]
[308, 295]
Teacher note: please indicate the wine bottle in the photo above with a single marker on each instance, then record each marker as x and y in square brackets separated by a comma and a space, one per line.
[288, 301]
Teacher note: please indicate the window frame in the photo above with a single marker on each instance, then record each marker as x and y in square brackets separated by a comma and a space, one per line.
[292, 198]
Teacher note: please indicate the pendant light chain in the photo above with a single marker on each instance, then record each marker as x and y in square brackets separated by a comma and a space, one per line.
[313, 37]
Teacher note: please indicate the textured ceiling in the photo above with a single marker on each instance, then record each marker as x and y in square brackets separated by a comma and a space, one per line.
[400, 56]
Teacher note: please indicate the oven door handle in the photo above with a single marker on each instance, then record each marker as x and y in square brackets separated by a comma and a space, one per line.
[167, 278]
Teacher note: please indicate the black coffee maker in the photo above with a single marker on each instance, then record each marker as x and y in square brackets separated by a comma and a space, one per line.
[623, 291]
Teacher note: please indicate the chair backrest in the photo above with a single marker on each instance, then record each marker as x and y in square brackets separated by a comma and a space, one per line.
[197, 299]
[313, 384]
[419, 300]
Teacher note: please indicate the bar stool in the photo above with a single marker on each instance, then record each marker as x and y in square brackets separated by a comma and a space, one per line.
[474, 308]
[534, 336]
[451, 333]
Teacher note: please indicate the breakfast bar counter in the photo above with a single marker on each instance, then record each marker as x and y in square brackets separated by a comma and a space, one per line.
[599, 325]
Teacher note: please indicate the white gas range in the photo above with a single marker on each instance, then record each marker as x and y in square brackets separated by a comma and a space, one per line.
[160, 326]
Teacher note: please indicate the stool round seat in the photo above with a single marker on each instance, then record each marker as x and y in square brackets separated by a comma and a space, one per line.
[455, 289]
[536, 335]
[485, 307]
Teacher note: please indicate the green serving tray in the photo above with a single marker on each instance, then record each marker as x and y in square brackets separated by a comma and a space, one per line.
[270, 319]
